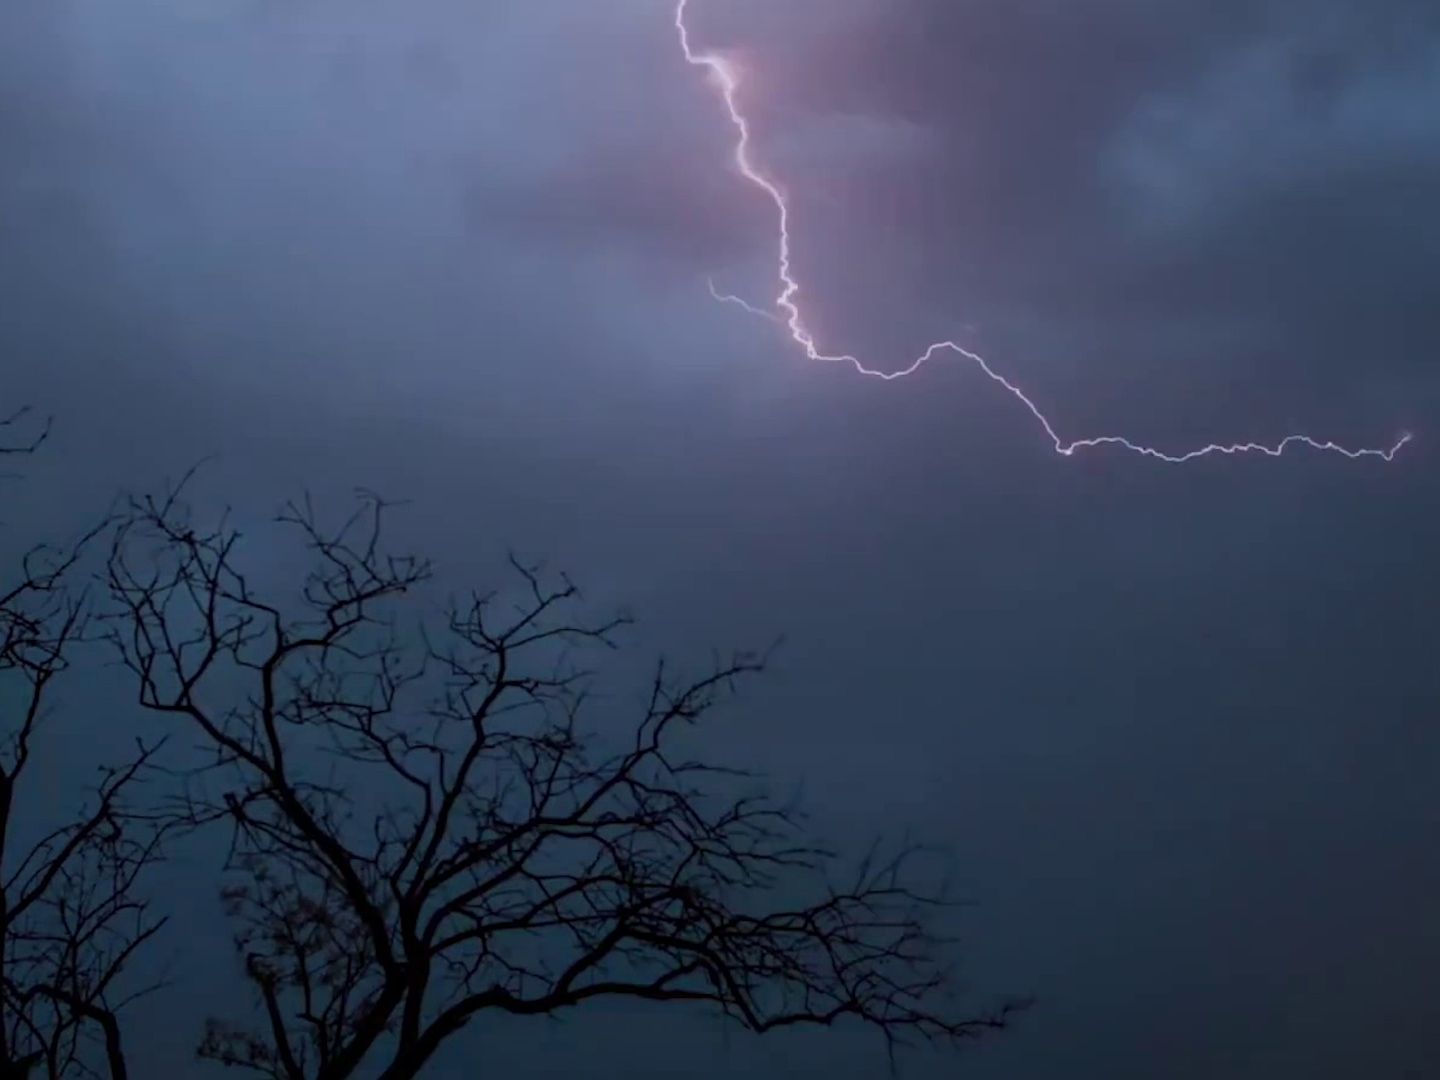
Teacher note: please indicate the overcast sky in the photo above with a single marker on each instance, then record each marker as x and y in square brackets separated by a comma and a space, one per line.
[1178, 725]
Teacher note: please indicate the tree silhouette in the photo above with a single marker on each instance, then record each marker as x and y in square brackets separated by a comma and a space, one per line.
[70, 917]
[15, 439]
[423, 830]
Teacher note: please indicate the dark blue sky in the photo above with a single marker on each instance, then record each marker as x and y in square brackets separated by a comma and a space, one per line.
[1178, 725]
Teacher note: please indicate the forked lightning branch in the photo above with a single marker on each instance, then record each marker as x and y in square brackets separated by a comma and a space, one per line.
[786, 308]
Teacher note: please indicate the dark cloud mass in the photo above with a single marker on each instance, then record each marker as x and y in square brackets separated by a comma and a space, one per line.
[1178, 726]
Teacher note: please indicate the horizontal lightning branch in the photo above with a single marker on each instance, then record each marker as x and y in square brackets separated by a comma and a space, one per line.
[787, 310]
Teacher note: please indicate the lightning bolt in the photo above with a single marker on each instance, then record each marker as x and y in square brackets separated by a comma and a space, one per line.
[788, 313]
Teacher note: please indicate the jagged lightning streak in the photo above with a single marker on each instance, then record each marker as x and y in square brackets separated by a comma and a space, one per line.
[726, 79]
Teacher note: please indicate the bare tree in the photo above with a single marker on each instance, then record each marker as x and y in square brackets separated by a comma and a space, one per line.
[15, 439]
[424, 831]
[70, 916]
